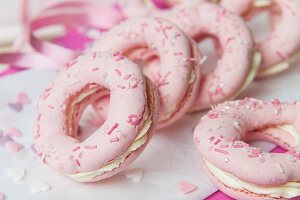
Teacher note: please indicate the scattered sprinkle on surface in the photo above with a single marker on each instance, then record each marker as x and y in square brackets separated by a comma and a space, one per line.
[185, 187]
[16, 174]
[136, 174]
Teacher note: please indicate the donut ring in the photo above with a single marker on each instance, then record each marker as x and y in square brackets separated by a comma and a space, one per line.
[281, 48]
[123, 136]
[239, 59]
[179, 72]
[243, 171]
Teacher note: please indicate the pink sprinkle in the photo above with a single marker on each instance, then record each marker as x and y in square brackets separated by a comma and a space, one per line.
[37, 136]
[221, 136]
[94, 55]
[95, 69]
[112, 128]
[14, 132]
[116, 54]
[162, 84]
[23, 98]
[283, 57]
[224, 146]
[51, 107]
[46, 96]
[13, 146]
[275, 102]
[190, 59]
[76, 148]
[211, 139]
[217, 142]
[238, 146]
[90, 147]
[213, 116]
[116, 139]
[48, 89]
[118, 72]
[121, 86]
[178, 54]
[252, 155]
[119, 58]
[134, 85]
[39, 117]
[127, 76]
[134, 119]
[232, 139]
[77, 162]
[220, 151]
[71, 64]
[177, 35]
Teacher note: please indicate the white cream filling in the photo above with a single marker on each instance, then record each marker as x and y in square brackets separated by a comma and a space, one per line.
[138, 142]
[256, 60]
[278, 67]
[289, 190]
[292, 131]
[262, 3]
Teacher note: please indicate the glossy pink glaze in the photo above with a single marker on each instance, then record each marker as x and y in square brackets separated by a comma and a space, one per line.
[58, 145]
[244, 120]
[175, 51]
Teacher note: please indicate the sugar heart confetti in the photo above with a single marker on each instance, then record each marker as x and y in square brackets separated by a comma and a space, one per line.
[13, 146]
[16, 174]
[17, 107]
[2, 196]
[135, 175]
[22, 98]
[39, 187]
[13, 132]
[185, 187]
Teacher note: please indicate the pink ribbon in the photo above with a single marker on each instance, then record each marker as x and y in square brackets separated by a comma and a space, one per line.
[46, 55]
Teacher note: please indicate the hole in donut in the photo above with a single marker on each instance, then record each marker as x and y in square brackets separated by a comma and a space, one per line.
[264, 21]
[82, 119]
[211, 52]
[284, 136]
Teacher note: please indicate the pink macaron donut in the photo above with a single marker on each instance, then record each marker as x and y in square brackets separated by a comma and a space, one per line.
[123, 136]
[282, 46]
[246, 172]
[238, 62]
[178, 75]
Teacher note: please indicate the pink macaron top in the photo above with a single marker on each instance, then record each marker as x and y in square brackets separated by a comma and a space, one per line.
[172, 47]
[200, 20]
[56, 127]
[221, 139]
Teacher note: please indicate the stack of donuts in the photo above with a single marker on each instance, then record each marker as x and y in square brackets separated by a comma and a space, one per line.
[135, 101]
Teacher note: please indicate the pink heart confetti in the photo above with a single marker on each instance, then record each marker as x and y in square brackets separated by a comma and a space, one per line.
[185, 187]
[13, 146]
[1, 196]
[23, 98]
[16, 106]
[13, 132]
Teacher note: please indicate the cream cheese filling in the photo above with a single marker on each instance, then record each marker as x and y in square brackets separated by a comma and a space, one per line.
[138, 142]
[289, 190]
[278, 67]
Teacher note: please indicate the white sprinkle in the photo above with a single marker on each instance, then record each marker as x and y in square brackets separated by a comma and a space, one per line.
[135, 175]
[226, 160]
[236, 124]
[73, 82]
[54, 150]
[280, 168]
[203, 60]
[221, 85]
[227, 107]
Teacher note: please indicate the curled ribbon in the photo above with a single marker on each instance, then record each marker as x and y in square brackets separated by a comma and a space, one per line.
[47, 55]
